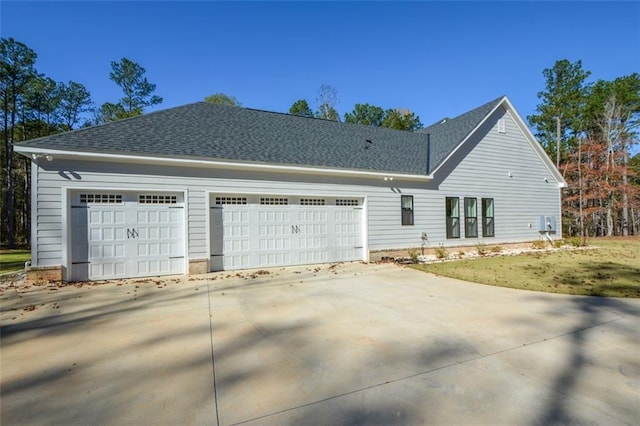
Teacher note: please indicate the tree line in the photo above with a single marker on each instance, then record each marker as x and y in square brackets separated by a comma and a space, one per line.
[587, 128]
[327, 99]
[33, 105]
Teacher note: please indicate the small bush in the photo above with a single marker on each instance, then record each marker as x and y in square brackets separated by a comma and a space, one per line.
[558, 243]
[413, 254]
[538, 244]
[577, 242]
[496, 249]
[481, 249]
[461, 254]
[441, 252]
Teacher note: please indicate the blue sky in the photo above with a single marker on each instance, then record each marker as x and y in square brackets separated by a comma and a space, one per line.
[435, 58]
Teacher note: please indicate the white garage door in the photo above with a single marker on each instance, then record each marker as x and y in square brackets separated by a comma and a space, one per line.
[123, 235]
[267, 231]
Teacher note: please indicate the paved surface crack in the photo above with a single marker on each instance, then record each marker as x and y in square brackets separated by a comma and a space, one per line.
[213, 358]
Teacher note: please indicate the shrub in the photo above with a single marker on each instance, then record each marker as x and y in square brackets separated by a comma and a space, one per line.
[578, 242]
[496, 249]
[481, 249]
[558, 243]
[538, 244]
[441, 252]
[461, 254]
[413, 254]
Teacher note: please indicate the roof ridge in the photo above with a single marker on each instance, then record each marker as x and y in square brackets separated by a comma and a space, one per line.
[345, 123]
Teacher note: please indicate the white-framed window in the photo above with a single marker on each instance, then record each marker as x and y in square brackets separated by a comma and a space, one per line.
[312, 201]
[157, 199]
[347, 202]
[230, 201]
[101, 198]
[274, 201]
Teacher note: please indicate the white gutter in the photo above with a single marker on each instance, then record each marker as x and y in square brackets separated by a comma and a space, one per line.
[35, 153]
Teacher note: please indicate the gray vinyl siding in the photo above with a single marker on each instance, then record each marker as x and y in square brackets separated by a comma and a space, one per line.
[197, 216]
[47, 235]
[481, 170]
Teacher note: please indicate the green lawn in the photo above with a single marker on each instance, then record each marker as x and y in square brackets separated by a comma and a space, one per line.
[13, 260]
[609, 267]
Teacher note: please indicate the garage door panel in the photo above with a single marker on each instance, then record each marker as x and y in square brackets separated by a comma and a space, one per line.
[272, 259]
[274, 243]
[239, 261]
[311, 256]
[156, 267]
[314, 243]
[107, 270]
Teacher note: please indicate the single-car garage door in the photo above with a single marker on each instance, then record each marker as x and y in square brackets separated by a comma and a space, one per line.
[254, 231]
[126, 234]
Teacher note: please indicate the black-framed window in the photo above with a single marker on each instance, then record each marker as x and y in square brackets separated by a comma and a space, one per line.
[470, 218]
[407, 209]
[488, 228]
[452, 211]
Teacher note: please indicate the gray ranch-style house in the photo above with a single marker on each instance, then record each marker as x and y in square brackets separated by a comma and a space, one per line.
[205, 187]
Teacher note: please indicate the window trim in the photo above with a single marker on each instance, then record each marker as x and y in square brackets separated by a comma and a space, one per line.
[406, 213]
[485, 217]
[449, 223]
[470, 222]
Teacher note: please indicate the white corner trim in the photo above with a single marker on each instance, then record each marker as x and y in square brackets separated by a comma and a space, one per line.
[29, 152]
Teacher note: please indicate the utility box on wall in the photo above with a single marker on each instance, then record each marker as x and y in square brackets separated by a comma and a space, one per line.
[547, 224]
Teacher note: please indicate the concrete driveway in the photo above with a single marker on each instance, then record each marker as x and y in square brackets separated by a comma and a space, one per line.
[327, 345]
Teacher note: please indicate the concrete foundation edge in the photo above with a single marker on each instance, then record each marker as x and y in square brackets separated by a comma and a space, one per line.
[43, 274]
[198, 266]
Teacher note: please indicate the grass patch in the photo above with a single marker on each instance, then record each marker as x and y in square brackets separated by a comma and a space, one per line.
[612, 269]
[13, 260]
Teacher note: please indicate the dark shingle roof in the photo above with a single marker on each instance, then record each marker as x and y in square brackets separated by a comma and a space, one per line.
[447, 135]
[216, 132]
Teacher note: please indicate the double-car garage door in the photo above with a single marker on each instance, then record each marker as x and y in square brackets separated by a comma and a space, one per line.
[255, 231]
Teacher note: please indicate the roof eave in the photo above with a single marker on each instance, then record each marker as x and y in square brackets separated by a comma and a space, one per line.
[35, 153]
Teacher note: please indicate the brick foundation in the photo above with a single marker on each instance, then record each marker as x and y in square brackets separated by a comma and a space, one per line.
[198, 266]
[43, 274]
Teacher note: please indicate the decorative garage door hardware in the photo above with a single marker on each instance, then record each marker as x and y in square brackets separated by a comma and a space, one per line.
[132, 233]
[295, 229]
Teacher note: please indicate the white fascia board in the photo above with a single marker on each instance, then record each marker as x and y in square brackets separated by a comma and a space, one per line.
[535, 144]
[452, 153]
[139, 159]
